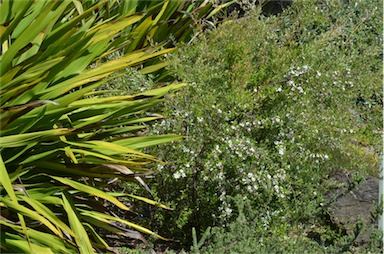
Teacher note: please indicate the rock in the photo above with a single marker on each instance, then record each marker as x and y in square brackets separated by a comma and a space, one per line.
[353, 206]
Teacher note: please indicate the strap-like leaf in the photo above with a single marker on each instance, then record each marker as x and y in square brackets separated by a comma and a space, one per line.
[48, 214]
[96, 215]
[29, 213]
[27, 138]
[90, 190]
[82, 238]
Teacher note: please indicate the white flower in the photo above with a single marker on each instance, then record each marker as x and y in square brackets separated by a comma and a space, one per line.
[251, 177]
[278, 90]
[179, 174]
[176, 175]
[228, 210]
[301, 90]
[220, 176]
[276, 188]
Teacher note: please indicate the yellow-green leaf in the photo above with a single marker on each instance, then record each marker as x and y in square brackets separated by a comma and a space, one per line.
[90, 190]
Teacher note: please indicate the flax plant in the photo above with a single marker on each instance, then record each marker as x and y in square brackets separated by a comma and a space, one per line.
[64, 147]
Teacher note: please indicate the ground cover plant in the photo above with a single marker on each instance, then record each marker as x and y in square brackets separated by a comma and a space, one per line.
[65, 146]
[276, 104]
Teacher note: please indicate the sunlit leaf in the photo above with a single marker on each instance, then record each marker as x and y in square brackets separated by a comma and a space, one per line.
[91, 190]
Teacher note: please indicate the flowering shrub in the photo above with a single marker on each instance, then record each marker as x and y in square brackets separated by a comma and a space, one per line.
[275, 105]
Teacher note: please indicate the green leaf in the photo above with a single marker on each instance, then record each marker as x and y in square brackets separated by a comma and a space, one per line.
[95, 235]
[54, 243]
[27, 138]
[82, 238]
[5, 181]
[15, 242]
[30, 213]
[146, 200]
[109, 148]
[142, 142]
[54, 129]
[47, 213]
[7, 184]
[39, 156]
[90, 190]
[97, 215]
[31, 32]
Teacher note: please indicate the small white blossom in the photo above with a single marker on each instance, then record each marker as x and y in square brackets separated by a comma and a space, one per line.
[179, 174]
[228, 210]
[301, 90]
[176, 175]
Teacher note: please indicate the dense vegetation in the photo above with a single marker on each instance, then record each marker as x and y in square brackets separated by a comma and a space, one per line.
[275, 106]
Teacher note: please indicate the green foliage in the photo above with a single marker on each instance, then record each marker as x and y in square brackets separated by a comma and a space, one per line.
[168, 22]
[65, 149]
[276, 105]
[243, 236]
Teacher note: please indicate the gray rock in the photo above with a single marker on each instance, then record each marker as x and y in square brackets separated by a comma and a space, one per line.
[352, 206]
